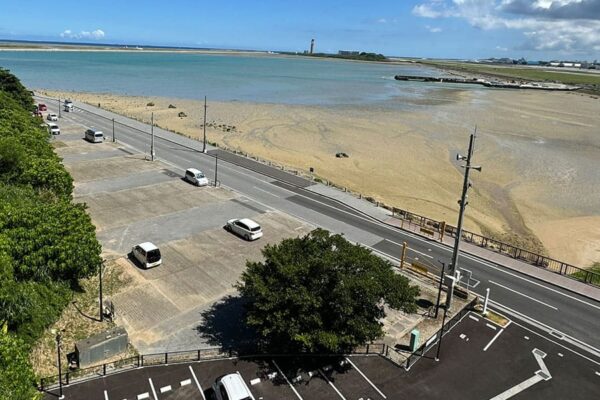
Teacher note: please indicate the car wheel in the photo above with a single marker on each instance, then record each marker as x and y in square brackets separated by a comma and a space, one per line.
[247, 237]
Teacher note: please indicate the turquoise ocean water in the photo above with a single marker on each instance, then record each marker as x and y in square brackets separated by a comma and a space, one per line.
[263, 79]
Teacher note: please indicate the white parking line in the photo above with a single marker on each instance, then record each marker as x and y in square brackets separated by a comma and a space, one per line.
[197, 383]
[287, 380]
[367, 379]
[152, 387]
[490, 326]
[186, 382]
[143, 396]
[105, 395]
[493, 339]
[474, 318]
[524, 295]
[332, 385]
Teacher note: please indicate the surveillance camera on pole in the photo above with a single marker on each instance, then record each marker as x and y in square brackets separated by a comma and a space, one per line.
[453, 271]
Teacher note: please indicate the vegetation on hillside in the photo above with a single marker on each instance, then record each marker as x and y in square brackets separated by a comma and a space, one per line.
[47, 243]
[362, 56]
[321, 293]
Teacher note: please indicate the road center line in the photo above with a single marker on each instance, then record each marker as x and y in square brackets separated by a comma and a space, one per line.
[266, 191]
[493, 339]
[367, 379]
[197, 383]
[524, 295]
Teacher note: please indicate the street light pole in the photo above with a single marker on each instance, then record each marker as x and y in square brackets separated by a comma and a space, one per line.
[216, 165]
[114, 138]
[100, 293]
[463, 204]
[204, 125]
[152, 140]
[437, 306]
[60, 388]
[437, 356]
[59, 115]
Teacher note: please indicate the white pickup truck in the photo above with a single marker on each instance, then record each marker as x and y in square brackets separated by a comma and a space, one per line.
[68, 105]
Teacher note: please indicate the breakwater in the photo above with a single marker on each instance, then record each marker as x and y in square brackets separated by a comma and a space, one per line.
[489, 83]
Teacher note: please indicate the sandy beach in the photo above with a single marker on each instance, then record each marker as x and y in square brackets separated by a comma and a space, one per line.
[539, 151]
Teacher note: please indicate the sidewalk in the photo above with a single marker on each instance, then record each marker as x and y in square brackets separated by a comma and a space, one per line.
[363, 206]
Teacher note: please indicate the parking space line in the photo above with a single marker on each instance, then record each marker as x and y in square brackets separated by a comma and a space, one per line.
[165, 389]
[287, 380]
[186, 382]
[105, 395]
[490, 326]
[197, 383]
[152, 387]
[331, 384]
[493, 339]
[367, 379]
[143, 396]
[474, 318]
[524, 295]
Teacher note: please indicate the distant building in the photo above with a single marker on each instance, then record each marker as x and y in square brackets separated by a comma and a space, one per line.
[312, 46]
[348, 53]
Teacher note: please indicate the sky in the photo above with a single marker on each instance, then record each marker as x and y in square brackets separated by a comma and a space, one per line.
[463, 29]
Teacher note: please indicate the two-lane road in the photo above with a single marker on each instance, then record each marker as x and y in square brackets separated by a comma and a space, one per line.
[557, 309]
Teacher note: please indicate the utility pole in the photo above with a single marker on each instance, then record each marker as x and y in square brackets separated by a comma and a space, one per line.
[437, 306]
[437, 356]
[463, 204]
[152, 134]
[403, 255]
[114, 138]
[204, 125]
[216, 165]
[100, 293]
[59, 115]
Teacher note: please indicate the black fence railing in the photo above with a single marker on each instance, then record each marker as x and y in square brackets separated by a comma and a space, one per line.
[508, 250]
[177, 357]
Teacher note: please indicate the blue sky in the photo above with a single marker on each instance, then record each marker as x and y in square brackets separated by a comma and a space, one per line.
[535, 29]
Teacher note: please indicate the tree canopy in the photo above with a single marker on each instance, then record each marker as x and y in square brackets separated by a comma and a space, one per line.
[321, 293]
[16, 377]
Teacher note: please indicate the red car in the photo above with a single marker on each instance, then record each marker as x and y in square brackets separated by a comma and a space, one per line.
[42, 107]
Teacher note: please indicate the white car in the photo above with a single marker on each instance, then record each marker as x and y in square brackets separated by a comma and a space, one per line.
[147, 254]
[245, 228]
[232, 387]
[53, 129]
[52, 117]
[196, 177]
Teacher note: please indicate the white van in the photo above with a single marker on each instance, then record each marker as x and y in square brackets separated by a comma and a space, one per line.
[68, 106]
[196, 177]
[53, 129]
[94, 136]
[147, 254]
[232, 387]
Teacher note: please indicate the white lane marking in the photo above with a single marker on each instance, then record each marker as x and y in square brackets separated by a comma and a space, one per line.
[152, 387]
[474, 318]
[105, 395]
[544, 337]
[490, 326]
[331, 384]
[366, 379]
[542, 375]
[408, 248]
[597, 373]
[287, 380]
[524, 295]
[143, 396]
[186, 382]
[493, 339]
[165, 389]
[266, 191]
[197, 383]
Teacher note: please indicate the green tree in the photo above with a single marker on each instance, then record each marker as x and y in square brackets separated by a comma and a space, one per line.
[16, 376]
[320, 293]
[9, 83]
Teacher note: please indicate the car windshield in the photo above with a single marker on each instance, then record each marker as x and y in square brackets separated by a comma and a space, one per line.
[153, 255]
[255, 229]
[199, 175]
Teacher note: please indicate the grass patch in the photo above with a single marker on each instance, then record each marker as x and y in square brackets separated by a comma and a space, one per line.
[497, 318]
[79, 320]
[532, 74]
[595, 278]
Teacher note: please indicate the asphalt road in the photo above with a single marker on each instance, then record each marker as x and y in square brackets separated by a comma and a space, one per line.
[571, 318]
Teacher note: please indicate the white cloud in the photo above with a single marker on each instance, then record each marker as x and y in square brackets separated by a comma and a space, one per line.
[382, 21]
[433, 29]
[97, 34]
[556, 25]
[501, 48]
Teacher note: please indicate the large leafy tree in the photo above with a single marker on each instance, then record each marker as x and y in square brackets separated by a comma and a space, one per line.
[321, 293]
[16, 376]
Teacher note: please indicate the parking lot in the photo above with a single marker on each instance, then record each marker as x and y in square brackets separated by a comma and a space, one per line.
[133, 200]
[478, 360]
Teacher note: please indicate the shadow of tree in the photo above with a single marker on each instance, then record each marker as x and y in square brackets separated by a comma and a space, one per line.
[224, 325]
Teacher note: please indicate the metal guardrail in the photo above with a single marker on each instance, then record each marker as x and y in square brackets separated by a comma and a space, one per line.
[177, 357]
[539, 260]
[508, 250]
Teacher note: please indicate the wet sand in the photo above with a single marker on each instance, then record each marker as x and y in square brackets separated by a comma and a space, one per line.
[540, 153]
